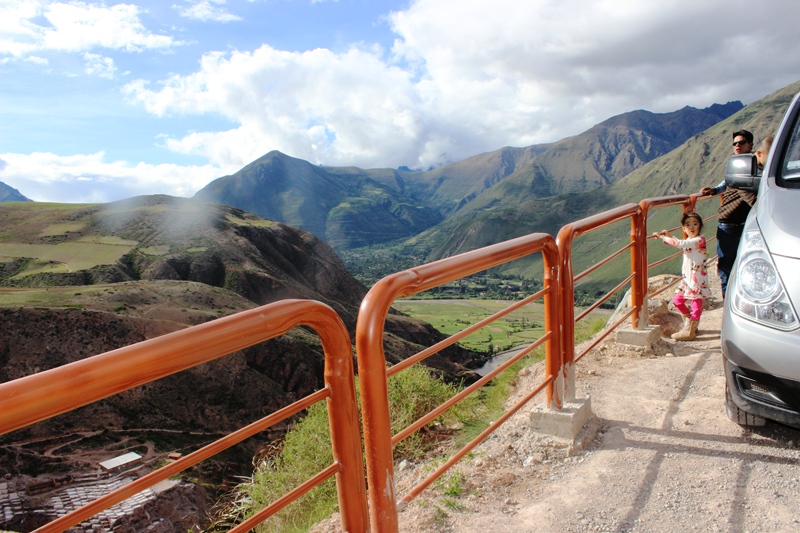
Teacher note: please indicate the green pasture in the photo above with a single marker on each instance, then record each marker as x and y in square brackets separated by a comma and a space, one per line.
[61, 229]
[523, 326]
[161, 249]
[110, 240]
[252, 221]
[64, 257]
[49, 296]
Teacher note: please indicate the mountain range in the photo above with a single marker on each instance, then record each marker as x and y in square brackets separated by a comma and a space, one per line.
[350, 207]
[366, 215]
[379, 220]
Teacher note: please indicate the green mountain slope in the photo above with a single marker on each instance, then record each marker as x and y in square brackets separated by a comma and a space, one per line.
[166, 238]
[597, 158]
[10, 194]
[346, 207]
[452, 186]
[153, 239]
[350, 207]
[698, 162]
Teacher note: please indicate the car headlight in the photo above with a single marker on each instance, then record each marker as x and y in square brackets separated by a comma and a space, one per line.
[759, 280]
[759, 294]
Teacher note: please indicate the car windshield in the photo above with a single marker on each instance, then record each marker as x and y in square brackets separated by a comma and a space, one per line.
[789, 174]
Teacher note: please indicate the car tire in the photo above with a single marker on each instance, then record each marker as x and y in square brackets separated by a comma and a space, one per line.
[743, 418]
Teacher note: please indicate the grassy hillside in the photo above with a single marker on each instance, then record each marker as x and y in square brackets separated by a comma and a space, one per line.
[351, 208]
[127, 246]
[165, 238]
[698, 162]
[347, 207]
[10, 194]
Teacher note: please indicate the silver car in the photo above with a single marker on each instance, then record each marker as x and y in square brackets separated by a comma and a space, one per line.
[760, 328]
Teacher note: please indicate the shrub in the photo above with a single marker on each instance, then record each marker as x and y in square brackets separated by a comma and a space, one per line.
[306, 450]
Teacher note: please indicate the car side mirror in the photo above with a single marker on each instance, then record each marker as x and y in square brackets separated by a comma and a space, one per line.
[742, 172]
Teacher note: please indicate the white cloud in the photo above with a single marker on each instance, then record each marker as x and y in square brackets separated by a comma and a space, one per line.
[18, 34]
[462, 78]
[97, 65]
[283, 100]
[73, 27]
[466, 77]
[206, 10]
[541, 69]
[47, 177]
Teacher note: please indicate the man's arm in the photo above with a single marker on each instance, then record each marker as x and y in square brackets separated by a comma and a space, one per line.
[720, 188]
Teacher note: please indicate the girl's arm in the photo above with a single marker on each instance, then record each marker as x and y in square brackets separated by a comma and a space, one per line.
[682, 243]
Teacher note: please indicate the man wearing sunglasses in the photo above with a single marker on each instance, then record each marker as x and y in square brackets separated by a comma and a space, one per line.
[733, 210]
[742, 142]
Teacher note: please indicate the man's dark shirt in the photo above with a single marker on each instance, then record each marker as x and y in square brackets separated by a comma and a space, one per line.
[735, 206]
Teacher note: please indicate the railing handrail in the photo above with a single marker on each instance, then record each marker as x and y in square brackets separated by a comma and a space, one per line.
[372, 361]
[40, 396]
[565, 238]
[688, 203]
[34, 398]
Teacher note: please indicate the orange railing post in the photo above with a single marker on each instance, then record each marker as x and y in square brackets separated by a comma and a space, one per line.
[639, 269]
[647, 204]
[40, 396]
[553, 300]
[373, 373]
[564, 241]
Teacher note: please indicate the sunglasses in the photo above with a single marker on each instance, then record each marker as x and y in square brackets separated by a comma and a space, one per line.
[737, 143]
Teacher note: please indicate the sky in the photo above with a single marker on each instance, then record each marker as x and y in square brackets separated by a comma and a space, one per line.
[101, 101]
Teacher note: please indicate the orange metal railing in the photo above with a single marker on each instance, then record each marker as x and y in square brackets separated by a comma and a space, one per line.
[373, 372]
[559, 379]
[689, 203]
[40, 396]
[34, 398]
[637, 279]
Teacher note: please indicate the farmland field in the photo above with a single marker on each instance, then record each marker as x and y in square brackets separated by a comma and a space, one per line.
[64, 257]
[523, 326]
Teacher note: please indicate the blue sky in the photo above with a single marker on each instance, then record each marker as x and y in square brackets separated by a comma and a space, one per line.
[105, 100]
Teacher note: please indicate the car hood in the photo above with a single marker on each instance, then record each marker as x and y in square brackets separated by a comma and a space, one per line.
[778, 215]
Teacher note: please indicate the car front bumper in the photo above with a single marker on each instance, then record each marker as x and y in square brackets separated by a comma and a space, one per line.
[762, 367]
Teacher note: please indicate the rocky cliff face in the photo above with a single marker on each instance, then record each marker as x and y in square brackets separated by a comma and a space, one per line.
[178, 263]
[166, 238]
[218, 396]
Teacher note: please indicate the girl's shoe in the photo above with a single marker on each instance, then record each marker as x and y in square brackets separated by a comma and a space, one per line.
[688, 333]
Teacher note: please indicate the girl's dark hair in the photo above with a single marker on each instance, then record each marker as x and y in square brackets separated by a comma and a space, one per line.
[692, 214]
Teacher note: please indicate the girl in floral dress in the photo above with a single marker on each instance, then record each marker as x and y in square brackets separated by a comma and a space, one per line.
[694, 285]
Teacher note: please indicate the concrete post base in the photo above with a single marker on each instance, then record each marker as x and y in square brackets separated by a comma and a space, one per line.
[564, 424]
[638, 337]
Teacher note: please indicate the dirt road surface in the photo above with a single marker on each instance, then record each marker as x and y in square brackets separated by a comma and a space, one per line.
[665, 458]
